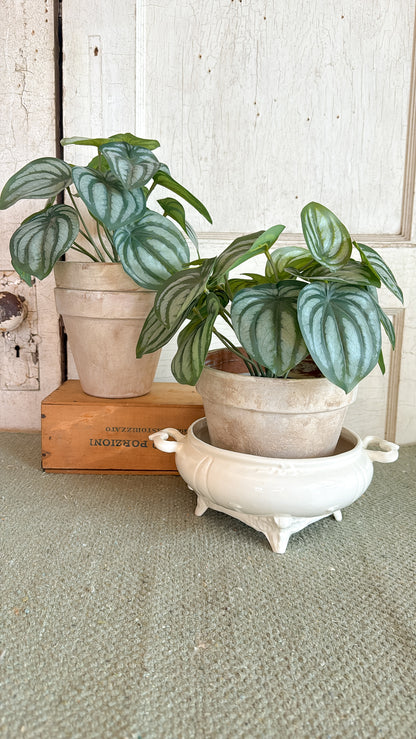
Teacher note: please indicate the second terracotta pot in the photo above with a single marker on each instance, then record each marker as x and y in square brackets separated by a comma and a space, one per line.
[270, 417]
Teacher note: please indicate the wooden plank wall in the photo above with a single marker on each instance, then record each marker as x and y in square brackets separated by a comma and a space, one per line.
[262, 106]
[27, 131]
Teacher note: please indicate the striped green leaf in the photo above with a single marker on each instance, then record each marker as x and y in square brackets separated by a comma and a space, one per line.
[264, 319]
[193, 344]
[180, 291]
[99, 163]
[175, 210]
[42, 178]
[236, 253]
[154, 334]
[106, 198]
[249, 279]
[243, 248]
[341, 328]
[381, 363]
[266, 239]
[387, 325]
[352, 273]
[326, 237]
[129, 138]
[191, 234]
[134, 166]
[377, 264]
[40, 241]
[294, 256]
[151, 249]
[384, 320]
[165, 180]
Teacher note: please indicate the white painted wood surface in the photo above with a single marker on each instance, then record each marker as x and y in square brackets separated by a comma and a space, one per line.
[260, 106]
[265, 105]
[27, 131]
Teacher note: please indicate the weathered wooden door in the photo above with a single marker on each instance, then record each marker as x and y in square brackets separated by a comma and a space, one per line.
[261, 106]
[30, 355]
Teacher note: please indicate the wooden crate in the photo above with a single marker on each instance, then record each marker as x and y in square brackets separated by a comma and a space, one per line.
[84, 434]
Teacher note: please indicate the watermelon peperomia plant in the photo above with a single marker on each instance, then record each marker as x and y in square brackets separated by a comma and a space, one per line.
[114, 189]
[316, 301]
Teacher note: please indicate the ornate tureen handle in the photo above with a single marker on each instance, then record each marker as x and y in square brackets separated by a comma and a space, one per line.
[160, 439]
[388, 450]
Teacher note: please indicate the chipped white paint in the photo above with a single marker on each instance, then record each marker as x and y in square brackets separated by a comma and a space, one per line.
[260, 106]
[19, 346]
[27, 131]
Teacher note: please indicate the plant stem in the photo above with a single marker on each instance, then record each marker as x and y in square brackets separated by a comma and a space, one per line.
[77, 247]
[251, 366]
[110, 239]
[87, 234]
[226, 316]
[111, 258]
[152, 187]
[272, 264]
[227, 288]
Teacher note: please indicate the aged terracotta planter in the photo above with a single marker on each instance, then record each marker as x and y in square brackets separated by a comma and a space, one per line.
[297, 417]
[103, 312]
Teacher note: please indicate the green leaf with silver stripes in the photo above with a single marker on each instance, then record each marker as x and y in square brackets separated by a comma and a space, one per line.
[236, 253]
[387, 324]
[174, 209]
[180, 291]
[106, 198]
[377, 264]
[165, 180]
[41, 240]
[243, 248]
[326, 237]
[341, 328]
[193, 344]
[264, 319]
[293, 256]
[154, 334]
[127, 137]
[151, 249]
[42, 178]
[134, 166]
[353, 273]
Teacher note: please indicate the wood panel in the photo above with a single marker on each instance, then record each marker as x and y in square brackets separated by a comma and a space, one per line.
[27, 131]
[265, 105]
[99, 70]
[261, 106]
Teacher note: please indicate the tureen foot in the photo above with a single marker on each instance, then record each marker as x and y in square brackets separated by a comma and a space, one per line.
[201, 506]
[277, 539]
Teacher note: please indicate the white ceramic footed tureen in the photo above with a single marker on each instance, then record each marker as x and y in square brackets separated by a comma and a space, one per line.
[273, 495]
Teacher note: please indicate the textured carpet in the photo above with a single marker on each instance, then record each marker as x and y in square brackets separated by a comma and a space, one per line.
[125, 616]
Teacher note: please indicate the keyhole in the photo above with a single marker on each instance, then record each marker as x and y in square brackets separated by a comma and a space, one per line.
[17, 350]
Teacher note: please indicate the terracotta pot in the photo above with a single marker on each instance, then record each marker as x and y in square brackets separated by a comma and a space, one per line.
[103, 311]
[296, 417]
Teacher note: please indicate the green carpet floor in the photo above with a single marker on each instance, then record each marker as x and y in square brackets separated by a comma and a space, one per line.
[124, 616]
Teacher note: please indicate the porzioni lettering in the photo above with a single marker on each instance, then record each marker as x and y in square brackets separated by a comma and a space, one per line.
[129, 443]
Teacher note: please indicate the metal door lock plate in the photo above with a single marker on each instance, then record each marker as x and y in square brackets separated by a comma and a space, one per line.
[19, 339]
